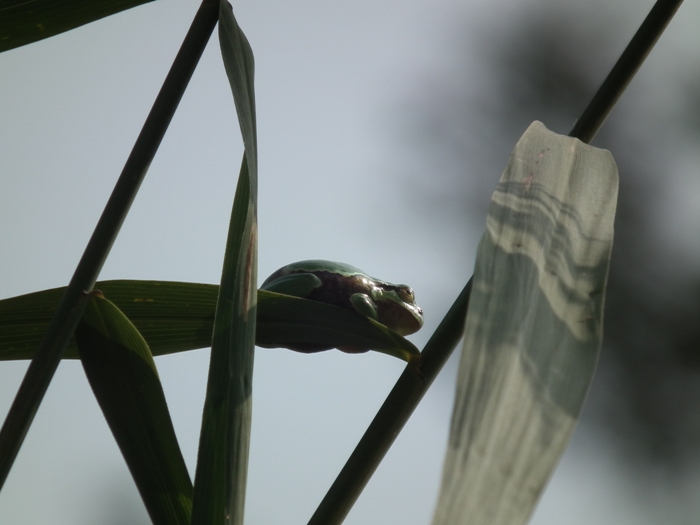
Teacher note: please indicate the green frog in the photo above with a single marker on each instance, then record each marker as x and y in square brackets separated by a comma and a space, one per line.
[393, 305]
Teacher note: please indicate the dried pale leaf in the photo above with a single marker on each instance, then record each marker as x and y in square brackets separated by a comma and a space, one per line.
[533, 330]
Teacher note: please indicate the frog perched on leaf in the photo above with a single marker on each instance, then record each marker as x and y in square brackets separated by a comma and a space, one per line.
[392, 305]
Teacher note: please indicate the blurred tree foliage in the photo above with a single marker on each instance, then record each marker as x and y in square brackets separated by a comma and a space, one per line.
[545, 65]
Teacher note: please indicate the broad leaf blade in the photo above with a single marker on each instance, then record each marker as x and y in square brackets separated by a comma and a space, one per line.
[175, 317]
[222, 465]
[171, 316]
[533, 330]
[123, 377]
[23, 22]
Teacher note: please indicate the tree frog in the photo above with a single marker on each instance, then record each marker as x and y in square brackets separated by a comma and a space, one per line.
[393, 305]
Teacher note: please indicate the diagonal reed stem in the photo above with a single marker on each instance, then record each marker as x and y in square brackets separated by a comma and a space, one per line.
[392, 416]
[411, 387]
[68, 313]
[624, 70]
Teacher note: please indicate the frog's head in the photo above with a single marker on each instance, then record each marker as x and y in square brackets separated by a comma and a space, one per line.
[397, 308]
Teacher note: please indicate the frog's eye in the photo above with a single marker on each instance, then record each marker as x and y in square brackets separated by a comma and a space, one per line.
[406, 294]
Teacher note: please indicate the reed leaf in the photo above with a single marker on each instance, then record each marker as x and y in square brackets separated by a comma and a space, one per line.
[23, 22]
[533, 330]
[123, 376]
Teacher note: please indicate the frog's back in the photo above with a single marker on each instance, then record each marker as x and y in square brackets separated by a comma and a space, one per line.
[314, 266]
[330, 282]
[320, 265]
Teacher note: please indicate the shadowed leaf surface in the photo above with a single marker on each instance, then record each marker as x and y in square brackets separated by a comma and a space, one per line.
[175, 317]
[124, 379]
[222, 461]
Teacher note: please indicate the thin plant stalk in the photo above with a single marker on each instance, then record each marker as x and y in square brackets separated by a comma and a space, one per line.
[68, 313]
[392, 416]
[624, 70]
[410, 387]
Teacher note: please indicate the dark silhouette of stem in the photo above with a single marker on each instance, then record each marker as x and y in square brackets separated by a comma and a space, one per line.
[392, 416]
[624, 70]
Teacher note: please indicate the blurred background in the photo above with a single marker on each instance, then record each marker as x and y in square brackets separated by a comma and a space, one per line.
[383, 129]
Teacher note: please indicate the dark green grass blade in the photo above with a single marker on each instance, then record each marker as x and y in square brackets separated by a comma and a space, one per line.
[25, 21]
[534, 328]
[224, 440]
[222, 463]
[171, 316]
[175, 317]
[123, 377]
[240, 70]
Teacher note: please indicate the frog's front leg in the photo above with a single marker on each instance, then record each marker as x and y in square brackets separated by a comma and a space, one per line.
[364, 305]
